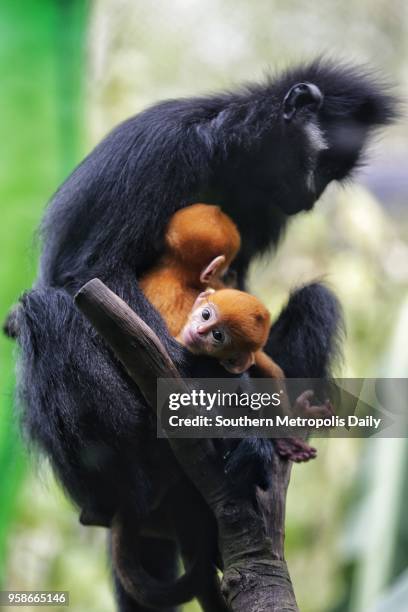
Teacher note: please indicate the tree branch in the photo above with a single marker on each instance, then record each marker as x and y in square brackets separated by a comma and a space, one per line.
[256, 577]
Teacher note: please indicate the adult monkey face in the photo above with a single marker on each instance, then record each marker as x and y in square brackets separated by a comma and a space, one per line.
[302, 104]
[335, 110]
[319, 119]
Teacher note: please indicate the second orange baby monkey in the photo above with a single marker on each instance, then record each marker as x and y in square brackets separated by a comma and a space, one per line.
[199, 245]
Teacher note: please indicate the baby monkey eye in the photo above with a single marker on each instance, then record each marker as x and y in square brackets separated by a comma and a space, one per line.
[217, 335]
[206, 314]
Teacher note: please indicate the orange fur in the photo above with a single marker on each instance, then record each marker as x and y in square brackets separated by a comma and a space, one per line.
[266, 366]
[246, 318]
[248, 322]
[194, 237]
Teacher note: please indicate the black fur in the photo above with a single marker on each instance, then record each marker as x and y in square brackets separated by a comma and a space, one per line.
[108, 220]
[305, 339]
[302, 340]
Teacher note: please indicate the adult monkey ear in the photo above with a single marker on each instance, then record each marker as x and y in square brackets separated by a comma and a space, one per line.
[300, 96]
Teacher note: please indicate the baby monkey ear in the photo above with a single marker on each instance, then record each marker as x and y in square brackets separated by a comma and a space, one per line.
[202, 297]
[240, 363]
[213, 269]
[301, 95]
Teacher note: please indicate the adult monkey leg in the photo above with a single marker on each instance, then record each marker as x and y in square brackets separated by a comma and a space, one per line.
[306, 337]
[304, 341]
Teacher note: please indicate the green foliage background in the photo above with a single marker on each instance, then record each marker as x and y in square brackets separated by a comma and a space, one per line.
[70, 71]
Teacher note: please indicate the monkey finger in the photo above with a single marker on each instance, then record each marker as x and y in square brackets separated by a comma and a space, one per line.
[302, 402]
[294, 449]
[317, 411]
[305, 396]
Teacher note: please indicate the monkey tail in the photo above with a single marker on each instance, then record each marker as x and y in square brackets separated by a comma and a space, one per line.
[144, 588]
[307, 337]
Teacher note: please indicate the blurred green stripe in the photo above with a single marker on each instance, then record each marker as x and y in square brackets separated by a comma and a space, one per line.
[41, 70]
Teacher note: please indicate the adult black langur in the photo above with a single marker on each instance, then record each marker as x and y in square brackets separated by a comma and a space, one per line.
[263, 153]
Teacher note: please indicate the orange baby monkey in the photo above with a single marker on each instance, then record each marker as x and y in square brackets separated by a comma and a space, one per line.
[232, 326]
[200, 244]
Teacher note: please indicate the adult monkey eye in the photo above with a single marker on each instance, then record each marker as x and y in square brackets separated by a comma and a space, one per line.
[206, 314]
[300, 96]
[217, 335]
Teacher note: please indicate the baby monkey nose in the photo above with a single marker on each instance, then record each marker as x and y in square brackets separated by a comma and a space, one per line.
[204, 328]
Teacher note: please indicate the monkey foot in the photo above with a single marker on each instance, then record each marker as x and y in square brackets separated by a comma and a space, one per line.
[304, 408]
[294, 449]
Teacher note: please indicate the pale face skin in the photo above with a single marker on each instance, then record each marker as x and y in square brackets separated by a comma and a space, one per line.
[204, 333]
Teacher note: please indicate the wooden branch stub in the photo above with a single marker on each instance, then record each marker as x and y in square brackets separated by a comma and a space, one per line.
[133, 342]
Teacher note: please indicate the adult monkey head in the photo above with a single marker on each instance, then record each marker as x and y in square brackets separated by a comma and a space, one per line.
[262, 153]
[288, 140]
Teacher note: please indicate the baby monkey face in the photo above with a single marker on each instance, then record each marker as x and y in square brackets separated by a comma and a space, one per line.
[204, 332]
